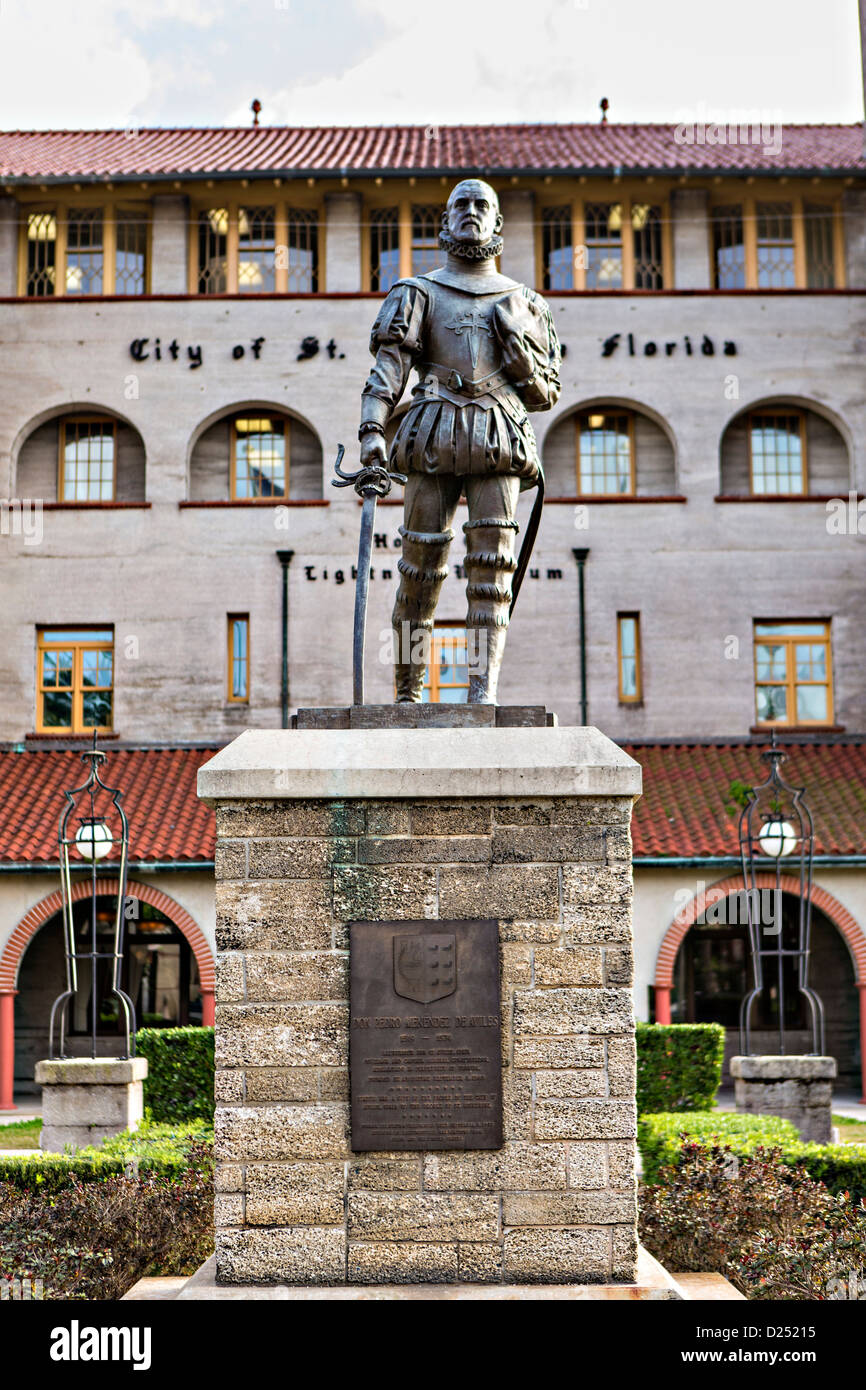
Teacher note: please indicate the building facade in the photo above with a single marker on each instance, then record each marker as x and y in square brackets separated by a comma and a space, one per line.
[184, 328]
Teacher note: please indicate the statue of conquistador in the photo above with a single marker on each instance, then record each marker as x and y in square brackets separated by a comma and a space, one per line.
[486, 352]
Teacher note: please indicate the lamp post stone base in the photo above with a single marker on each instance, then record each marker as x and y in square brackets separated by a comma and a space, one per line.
[799, 1089]
[86, 1100]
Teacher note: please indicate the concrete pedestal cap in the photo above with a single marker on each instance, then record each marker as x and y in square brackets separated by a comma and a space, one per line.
[90, 1071]
[341, 763]
[783, 1068]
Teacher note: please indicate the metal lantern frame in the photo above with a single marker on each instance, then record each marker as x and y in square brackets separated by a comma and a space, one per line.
[775, 801]
[78, 797]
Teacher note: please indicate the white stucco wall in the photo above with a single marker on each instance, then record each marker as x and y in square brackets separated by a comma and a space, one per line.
[166, 577]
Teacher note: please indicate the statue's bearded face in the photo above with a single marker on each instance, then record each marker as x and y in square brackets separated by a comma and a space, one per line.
[472, 215]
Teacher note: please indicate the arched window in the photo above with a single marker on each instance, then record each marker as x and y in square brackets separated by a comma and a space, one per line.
[80, 458]
[256, 455]
[781, 449]
[608, 450]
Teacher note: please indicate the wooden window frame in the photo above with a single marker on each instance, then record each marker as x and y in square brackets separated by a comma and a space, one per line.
[109, 207]
[764, 413]
[627, 198]
[791, 682]
[403, 208]
[61, 459]
[231, 698]
[249, 205]
[254, 196]
[582, 415]
[748, 201]
[26, 212]
[415, 206]
[545, 220]
[77, 688]
[637, 698]
[273, 498]
[110, 223]
[794, 210]
[433, 687]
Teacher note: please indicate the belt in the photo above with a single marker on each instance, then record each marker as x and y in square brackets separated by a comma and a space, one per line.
[455, 381]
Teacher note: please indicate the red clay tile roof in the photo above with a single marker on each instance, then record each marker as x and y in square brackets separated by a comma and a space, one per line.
[682, 812]
[299, 150]
[167, 822]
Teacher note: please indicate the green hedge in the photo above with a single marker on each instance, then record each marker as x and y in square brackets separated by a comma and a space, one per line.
[154, 1148]
[841, 1167]
[679, 1065]
[180, 1072]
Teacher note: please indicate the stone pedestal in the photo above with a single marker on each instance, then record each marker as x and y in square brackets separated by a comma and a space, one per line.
[85, 1101]
[317, 828]
[799, 1089]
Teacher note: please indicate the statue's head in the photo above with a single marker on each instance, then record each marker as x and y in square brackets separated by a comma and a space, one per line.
[471, 222]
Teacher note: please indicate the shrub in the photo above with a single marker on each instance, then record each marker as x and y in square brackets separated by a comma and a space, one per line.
[711, 1202]
[180, 1072]
[772, 1229]
[163, 1150]
[840, 1167]
[818, 1263]
[93, 1240]
[660, 1137]
[679, 1065]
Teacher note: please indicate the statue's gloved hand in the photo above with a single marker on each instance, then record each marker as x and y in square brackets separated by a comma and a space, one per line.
[374, 450]
[515, 331]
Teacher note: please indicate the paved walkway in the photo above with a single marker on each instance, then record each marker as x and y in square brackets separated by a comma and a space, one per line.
[27, 1108]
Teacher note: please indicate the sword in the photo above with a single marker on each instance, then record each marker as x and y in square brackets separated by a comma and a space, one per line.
[370, 483]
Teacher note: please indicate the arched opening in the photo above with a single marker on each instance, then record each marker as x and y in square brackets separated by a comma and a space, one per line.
[783, 447]
[712, 972]
[256, 453]
[159, 973]
[608, 448]
[80, 455]
[48, 983]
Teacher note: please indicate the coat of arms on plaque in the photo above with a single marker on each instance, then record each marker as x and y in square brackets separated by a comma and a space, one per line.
[425, 967]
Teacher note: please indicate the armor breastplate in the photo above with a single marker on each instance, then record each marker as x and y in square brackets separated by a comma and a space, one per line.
[461, 339]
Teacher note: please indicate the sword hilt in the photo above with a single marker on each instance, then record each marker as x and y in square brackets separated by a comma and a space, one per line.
[372, 480]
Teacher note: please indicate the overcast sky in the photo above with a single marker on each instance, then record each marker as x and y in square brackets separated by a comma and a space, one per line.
[86, 63]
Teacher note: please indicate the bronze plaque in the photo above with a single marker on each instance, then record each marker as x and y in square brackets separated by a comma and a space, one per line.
[425, 1038]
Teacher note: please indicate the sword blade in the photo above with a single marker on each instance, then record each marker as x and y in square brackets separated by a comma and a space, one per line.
[362, 587]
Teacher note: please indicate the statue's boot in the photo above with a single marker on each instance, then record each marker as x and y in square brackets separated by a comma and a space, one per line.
[490, 565]
[422, 570]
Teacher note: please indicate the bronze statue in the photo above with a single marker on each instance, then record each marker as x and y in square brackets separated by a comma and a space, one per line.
[486, 352]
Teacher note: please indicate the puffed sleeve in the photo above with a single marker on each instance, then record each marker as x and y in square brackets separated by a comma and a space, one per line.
[395, 342]
[527, 320]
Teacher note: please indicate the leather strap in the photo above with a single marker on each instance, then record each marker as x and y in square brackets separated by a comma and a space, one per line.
[464, 386]
[529, 538]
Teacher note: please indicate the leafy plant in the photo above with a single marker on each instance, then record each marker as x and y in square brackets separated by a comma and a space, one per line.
[679, 1065]
[739, 796]
[93, 1240]
[180, 1072]
[840, 1167]
[158, 1148]
[772, 1229]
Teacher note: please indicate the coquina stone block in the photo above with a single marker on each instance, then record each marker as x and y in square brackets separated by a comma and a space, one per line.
[305, 850]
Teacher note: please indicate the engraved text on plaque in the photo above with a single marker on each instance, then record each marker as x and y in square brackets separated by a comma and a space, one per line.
[425, 1037]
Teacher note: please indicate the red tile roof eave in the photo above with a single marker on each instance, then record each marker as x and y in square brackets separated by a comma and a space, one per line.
[436, 171]
[40, 156]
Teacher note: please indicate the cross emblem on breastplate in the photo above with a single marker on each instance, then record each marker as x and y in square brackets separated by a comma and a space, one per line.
[473, 323]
